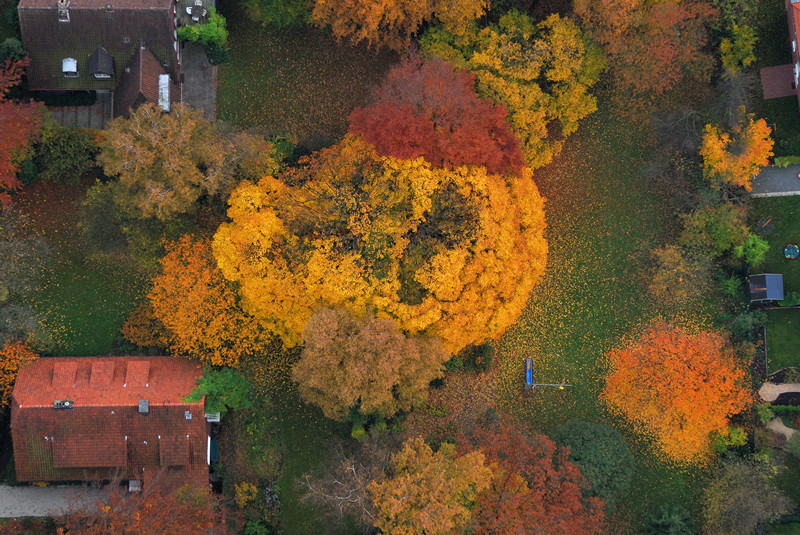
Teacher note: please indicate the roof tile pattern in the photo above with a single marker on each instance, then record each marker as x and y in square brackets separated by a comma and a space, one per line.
[104, 431]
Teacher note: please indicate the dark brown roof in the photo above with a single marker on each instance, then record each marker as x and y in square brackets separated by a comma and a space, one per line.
[140, 83]
[118, 30]
[105, 430]
[101, 62]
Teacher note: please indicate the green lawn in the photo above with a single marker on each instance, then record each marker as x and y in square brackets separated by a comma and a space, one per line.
[296, 82]
[784, 216]
[783, 338]
[603, 219]
[785, 529]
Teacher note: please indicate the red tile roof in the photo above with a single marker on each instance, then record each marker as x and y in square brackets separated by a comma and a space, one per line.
[160, 380]
[139, 84]
[104, 430]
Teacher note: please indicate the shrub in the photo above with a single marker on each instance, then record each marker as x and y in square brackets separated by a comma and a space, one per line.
[477, 358]
[244, 493]
[670, 520]
[736, 436]
[224, 389]
[753, 250]
[730, 287]
[66, 154]
[257, 526]
[791, 299]
[794, 445]
[764, 412]
[28, 171]
[11, 49]
[359, 433]
[218, 54]
[212, 32]
[602, 455]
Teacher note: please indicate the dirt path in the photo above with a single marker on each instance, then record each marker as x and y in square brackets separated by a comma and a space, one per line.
[771, 391]
[777, 426]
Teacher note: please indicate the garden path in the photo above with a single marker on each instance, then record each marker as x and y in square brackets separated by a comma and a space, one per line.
[776, 425]
[771, 391]
[777, 182]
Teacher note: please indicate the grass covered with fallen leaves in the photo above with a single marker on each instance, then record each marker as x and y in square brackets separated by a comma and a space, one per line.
[603, 221]
[297, 83]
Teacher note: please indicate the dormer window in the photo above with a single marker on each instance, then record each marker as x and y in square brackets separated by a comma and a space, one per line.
[63, 12]
[69, 66]
[101, 64]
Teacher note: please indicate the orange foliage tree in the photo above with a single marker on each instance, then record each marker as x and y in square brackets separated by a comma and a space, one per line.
[430, 109]
[427, 491]
[13, 356]
[19, 124]
[365, 362]
[198, 307]
[651, 45]
[533, 484]
[159, 508]
[734, 159]
[677, 387]
[448, 253]
[392, 23]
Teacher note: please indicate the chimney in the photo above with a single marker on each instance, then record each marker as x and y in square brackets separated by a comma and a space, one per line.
[144, 407]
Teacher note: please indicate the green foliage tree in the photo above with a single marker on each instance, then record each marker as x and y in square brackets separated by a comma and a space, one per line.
[741, 495]
[541, 72]
[280, 13]
[224, 388]
[714, 230]
[753, 250]
[365, 363]
[737, 51]
[11, 49]
[602, 455]
[670, 520]
[66, 154]
[213, 32]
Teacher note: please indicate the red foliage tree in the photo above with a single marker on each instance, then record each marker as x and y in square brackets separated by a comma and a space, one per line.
[429, 109]
[19, 123]
[535, 488]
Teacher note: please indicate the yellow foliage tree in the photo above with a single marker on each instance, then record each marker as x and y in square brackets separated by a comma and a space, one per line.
[448, 253]
[365, 362]
[392, 23]
[540, 71]
[13, 356]
[734, 159]
[429, 492]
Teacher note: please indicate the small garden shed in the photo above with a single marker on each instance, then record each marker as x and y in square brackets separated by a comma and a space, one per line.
[766, 287]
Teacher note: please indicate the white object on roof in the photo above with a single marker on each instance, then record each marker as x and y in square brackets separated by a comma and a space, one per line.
[163, 91]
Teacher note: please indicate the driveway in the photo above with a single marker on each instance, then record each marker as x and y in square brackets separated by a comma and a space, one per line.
[199, 80]
[777, 182]
[18, 502]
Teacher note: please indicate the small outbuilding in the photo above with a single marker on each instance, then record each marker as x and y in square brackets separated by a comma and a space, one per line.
[766, 287]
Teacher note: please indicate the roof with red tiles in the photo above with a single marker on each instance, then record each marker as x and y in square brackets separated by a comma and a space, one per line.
[139, 83]
[105, 381]
[103, 431]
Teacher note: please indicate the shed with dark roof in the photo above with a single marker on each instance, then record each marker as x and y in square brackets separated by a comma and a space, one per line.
[766, 287]
[102, 431]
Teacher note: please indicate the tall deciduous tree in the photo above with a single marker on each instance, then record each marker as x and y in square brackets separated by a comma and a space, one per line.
[166, 161]
[541, 72]
[19, 125]
[392, 23]
[449, 253]
[365, 362]
[534, 485]
[198, 307]
[13, 356]
[430, 109]
[428, 492]
[651, 45]
[677, 387]
[734, 159]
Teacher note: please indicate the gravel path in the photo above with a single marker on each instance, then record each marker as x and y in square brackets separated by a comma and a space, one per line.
[18, 502]
[771, 391]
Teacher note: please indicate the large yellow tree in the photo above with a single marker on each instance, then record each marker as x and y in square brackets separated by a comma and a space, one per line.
[449, 253]
[735, 158]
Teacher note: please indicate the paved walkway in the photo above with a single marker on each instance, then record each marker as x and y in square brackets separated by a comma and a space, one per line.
[771, 391]
[18, 502]
[777, 182]
[199, 80]
[776, 425]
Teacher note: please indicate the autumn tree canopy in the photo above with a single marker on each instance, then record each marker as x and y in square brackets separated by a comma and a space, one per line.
[541, 72]
[166, 161]
[391, 24]
[13, 356]
[427, 491]
[651, 46]
[677, 387]
[429, 109]
[533, 484]
[733, 159]
[366, 362]
[198, 307]
[448, 253]
[19, 125]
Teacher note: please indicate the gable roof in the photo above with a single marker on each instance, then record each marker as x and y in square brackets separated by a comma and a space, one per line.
[139, 83]
[103, 429]
[118, 27]
[766, 287]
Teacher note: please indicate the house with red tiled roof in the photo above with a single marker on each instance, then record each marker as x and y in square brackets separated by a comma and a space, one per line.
[104, 46]
[97, 418]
